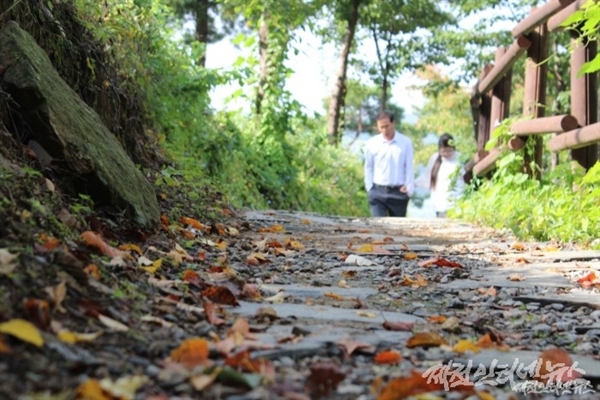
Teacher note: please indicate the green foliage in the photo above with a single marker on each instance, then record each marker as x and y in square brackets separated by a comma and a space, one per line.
[586, 21]
[563, 206]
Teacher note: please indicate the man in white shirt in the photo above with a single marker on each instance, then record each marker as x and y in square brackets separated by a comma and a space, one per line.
[389, 175]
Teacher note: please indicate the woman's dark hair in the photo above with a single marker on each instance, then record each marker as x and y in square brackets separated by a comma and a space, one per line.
[446, 140]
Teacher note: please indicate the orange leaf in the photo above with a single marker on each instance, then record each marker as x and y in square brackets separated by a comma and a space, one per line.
[388, 357]
[93, 271]
[272, 229]
[588, 280]
[193, 223]
[411, 256]
[401, 388]
[245, 363]
[425, 339]
[49, 242]
[92, 390]
[438, 319]
[191, 352]
[556, 365]
[94, 240]
[517, 246]
[220, 295]
[365, 248]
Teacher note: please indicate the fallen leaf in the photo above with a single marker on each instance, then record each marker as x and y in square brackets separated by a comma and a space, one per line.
[306, 222]
[440, 262]
[588, 280]
[388, 357]
[23, 330]
[438, 319]
[49, 242]
[522, 260]
[351, 345]
[220, 295]
[334, 296]
[93, 271]
[194, 224]
[7, 261]
[293, 244]
[425, 339]
[257, 258]
[324, 378]
[515, 278]
[57, 295]
[272, 229]
[154, 267]
[4, 347]
[277, 298]
[251, 291]
[112, 324]
[74, 337]
[94, 240]
[418, 383]
[491, 291]
[202, 381]
[517, 246]
[365, 248]
[211, 316]
[162, 322]
[399, 326]
[192, 352]
[351, 273]
[131, 247]
[367, 314]
[342, 283]
[125, 387]
[465, 345]
[555, 366]
[411, 256]
[91, 390]
[39, 312]
[244, 362]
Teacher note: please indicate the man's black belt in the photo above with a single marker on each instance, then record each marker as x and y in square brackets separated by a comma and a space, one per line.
[387, 188]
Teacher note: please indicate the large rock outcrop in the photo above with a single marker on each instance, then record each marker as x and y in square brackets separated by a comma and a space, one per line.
[71, 132]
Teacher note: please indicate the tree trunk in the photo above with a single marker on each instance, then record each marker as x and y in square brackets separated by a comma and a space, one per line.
[339, 89]
[384, 91]
[263, 34]
[201, 35]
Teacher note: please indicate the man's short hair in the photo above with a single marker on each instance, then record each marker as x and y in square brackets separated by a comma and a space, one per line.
[385, 115]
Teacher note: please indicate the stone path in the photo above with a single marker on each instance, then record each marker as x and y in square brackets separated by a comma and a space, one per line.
[536, 301]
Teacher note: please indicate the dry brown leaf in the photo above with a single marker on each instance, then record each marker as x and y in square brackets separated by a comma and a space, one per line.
[350, 346]
[425, 339]
[515, 278]
[92, 239]
[438, 319]
[556, 365]
[324, 378]
[517, 246]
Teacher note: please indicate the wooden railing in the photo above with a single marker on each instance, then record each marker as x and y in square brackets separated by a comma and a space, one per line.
[578, 132]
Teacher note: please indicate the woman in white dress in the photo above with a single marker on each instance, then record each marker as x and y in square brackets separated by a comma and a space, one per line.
[443, 176]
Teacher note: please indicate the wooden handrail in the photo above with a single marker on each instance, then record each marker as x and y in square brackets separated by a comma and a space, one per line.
[520, 45]
[561, 16]
[555, 124]
[576, 138]
[539, 16]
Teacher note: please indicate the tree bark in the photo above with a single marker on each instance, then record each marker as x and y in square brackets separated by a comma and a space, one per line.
[263, 35]
[201, 34]
[339, 89]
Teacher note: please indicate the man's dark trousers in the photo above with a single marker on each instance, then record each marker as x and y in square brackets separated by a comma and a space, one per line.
[387, 201]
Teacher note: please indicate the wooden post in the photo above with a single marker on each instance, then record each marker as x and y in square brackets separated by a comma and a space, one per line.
[500, 106]
[584, 99]
[536, 76]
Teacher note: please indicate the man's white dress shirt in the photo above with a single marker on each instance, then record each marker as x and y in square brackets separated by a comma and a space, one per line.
[389, 162]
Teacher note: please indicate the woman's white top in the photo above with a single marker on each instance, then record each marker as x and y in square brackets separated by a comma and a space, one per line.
[445, 193]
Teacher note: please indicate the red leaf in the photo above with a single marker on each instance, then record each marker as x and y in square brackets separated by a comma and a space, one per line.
[324, 378]
[220, 295]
